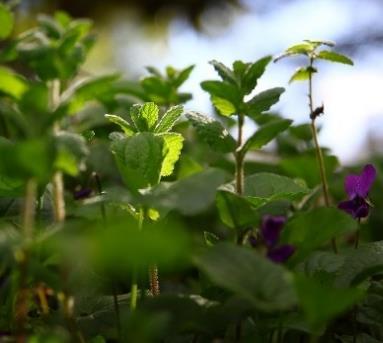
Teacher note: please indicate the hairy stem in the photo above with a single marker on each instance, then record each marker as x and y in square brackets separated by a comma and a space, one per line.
[134, 286]
[318, 150]
[154, 280]
[21, 309]
[57, 179]
[239, 165]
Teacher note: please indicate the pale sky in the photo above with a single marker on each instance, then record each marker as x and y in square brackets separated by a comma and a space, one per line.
[352, 95]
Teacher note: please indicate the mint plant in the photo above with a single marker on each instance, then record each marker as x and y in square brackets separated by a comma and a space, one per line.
[312, 49]
[146, 152]
[89, 202]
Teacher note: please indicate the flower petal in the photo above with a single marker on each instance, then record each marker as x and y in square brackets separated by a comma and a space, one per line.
[280, 254]
[357, 207]
[359, 185]
[271, 228]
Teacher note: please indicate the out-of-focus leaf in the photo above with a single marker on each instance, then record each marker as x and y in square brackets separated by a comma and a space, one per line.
[212, 132]
[11, 83]
[72, 151]
[122, 123]
[223, 90]
[224, 72]
[224, 107]
[210, 238]
[236, 211]
[310, 230]
[334, 57]
[265, 134]
[253, 72]
[243, 271]
[302, 74]
[268, 186]
[190, 195]
[322, 303]
[263, 101]
[6, 20]
[305, 167]
[360, 264]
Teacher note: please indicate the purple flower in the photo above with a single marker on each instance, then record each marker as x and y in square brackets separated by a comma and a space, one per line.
[271, 228]
[280, 253]
[357, 188]
[83, 193]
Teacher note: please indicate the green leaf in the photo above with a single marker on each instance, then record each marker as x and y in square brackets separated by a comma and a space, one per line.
[88, 90]
[305, 167]
[6, 20]
[122, 123]
[11, 83]
[224, 107]
[149, 112]
[360, 264]
[322, 303]
[263, 101]
[234, 210]
[271, 187]
[334, 57]
[173, 143]
[210, 238]
[189, 196]
[224, 72]
[310, 230]
[139, 159]
[212, 132]
[72, 151]
[182, 76]
[253, 72]
[265, 134]
[266, 285]
[305, 48]
[302, 74]
[223, 90]
[28, 158]
[168, 120]
[10, 187]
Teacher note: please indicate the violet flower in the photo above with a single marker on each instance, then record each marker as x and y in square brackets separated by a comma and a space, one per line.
[271, 228]
[83, 193]
[357, 188]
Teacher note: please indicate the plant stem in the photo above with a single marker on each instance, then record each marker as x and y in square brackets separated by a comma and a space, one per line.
[154, 280]
[239, 165]
[57, 179]
[21, 312]
[318, 150]
[357, 236]
[134, 287]
[103, 216]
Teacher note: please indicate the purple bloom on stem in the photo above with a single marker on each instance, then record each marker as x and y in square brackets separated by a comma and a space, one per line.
[280, 253]
[271, 229]
[357, 188]
[82, 193]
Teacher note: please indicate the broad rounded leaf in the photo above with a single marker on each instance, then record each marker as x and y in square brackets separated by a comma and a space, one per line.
[266, 133]
[310, 230]
[243, 271]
